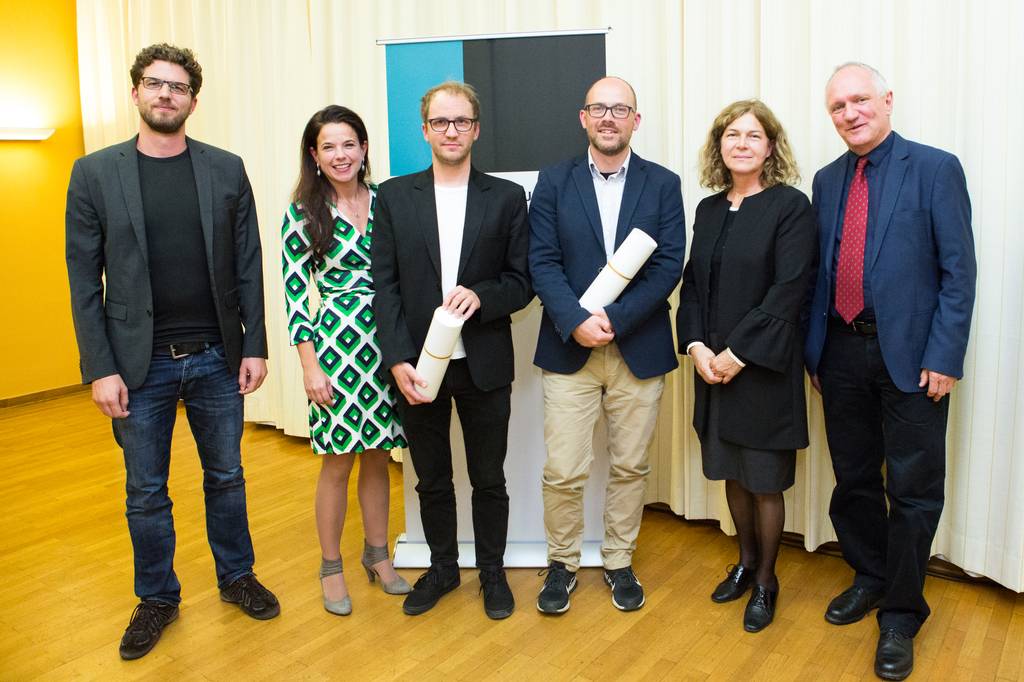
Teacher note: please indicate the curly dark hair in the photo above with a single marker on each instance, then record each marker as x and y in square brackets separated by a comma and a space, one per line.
[313, 193]
[182, 56]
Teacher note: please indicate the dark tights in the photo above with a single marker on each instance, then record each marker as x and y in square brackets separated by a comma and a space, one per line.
[759, 519]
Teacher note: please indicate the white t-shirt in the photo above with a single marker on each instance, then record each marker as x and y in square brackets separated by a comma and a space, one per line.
[451, 220]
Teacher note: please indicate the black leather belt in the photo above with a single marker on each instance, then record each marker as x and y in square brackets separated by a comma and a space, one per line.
[858, 327]
[182, 349]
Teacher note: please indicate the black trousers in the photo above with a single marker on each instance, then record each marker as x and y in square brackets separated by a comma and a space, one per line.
[868, 422]
[484, 417]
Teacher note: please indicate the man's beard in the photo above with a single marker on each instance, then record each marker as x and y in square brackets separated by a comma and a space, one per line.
[163, 125]
[608, 148]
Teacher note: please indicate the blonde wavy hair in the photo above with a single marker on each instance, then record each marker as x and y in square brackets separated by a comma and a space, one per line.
[779, 168]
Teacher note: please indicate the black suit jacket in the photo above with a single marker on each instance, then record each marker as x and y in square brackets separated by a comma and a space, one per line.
[107, 256]
[406, 267]
[767, 267]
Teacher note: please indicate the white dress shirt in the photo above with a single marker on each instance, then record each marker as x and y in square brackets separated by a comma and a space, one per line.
[609, 198]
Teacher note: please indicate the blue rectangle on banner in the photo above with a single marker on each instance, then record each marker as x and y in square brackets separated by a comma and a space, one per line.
[412, 69]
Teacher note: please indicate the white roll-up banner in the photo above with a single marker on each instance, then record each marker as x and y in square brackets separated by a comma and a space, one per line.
[437, 350]
[627, 260]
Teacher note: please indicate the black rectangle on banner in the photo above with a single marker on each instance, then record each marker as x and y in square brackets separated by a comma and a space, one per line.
[531, 91]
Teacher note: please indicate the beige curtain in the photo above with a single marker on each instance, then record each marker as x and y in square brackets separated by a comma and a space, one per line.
[955, 67]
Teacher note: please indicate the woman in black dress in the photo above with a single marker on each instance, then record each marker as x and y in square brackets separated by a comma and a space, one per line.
[751, 261]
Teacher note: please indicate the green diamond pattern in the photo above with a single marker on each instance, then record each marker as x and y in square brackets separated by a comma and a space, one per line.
[349, 379]
[353, 416]
[348, 338]
[364, 318]
[384, 413]
[355, 260]
[370, 431]
[343, 332]
[367, 356]
[368, 396]
[329, 359]
[329, 321]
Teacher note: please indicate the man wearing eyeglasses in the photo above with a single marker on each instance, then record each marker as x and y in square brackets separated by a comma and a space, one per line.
[611, 360]
[166, 278]
[454, 237]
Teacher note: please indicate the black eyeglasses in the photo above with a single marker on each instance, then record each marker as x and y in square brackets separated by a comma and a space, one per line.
[462, 125]
[156, 84]
[598, 110]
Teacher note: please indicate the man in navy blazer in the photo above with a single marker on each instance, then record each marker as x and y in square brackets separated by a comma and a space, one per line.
[888, 328]
[613, 359]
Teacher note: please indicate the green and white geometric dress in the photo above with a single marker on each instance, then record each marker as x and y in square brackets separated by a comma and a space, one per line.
[343, 332]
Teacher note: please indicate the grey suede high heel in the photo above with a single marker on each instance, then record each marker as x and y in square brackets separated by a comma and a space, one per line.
[339, 607]
[373, 555]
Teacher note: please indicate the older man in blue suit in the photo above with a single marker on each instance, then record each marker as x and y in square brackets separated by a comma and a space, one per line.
[614, 359]
[887, 335]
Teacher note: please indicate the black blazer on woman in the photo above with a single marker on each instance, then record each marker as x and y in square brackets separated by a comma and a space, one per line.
[768, 261]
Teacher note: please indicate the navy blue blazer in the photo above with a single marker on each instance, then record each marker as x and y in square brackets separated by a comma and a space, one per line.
[567, 251]
[921, 267]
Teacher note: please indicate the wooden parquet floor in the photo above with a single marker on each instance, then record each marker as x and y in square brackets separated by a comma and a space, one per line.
[66, 590]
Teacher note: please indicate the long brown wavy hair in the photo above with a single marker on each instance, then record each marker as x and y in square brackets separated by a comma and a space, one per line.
[313, 193]
[779, 168]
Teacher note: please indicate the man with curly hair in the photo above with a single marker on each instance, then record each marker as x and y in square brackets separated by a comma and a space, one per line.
[164, 263]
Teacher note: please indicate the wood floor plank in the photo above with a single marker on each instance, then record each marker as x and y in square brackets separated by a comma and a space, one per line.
[66, 590]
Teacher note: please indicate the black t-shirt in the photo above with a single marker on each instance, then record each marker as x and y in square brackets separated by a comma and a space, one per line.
[183, 307]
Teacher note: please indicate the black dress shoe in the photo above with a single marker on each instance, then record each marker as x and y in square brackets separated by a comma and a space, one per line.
[431, 586]
[255, 600]
[738, 580]
[894, 657]
[145, 627]
[760, 609]
[852, 605]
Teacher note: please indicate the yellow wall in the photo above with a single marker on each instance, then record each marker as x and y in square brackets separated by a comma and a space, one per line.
[38, 88]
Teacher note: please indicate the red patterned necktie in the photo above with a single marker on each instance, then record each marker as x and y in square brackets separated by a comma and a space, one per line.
[850, 272]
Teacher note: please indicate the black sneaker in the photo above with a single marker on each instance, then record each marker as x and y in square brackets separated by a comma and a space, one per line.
[559, 583]
[145, 627]
[627, 592]
[431, 586]
[255, 600]
[498, 600]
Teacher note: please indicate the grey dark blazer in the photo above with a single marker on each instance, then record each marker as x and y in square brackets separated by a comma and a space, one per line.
[111, 300]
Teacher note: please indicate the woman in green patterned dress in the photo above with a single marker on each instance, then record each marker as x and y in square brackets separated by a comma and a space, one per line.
[326, 240]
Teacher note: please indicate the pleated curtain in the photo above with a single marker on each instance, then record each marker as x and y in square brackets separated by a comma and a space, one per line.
[955, 67]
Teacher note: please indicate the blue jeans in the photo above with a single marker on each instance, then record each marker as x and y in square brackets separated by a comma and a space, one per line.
[209, 389]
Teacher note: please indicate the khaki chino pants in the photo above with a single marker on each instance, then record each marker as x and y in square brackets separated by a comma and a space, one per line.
[572, 405]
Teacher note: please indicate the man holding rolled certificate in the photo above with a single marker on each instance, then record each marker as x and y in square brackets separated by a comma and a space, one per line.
[449, 258]
[607, 241]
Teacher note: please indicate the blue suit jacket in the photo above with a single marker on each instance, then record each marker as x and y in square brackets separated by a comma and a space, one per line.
[921, 266]
[567, 251]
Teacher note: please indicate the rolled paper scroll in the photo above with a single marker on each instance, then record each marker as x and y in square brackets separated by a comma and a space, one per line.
[627, 260]
[437, 350]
